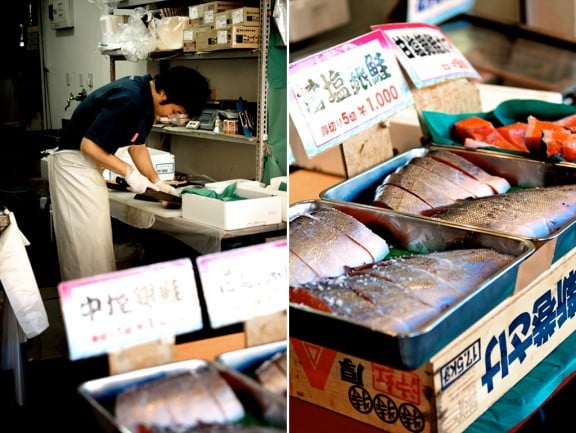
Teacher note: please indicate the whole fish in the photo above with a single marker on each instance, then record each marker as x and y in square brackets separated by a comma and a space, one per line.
[373, 301]
[532, 212]
[323, 242]
[181, 399]
[497, 183]
[402, 294]
[272, 373]
[437, 179]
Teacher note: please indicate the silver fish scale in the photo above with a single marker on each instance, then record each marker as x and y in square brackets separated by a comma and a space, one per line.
[534, 212]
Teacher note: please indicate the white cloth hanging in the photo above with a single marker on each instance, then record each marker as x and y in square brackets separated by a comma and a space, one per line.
[19, 282]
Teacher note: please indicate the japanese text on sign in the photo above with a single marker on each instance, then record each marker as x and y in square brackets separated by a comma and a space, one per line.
[125, 308]
[244, 283]
[395, 394]
[549, 313]
[341, 91]
[427, 54]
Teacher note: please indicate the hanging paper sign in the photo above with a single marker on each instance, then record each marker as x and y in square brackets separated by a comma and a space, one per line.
[129, 307]
[244, 283]
[426, 53]
[436, 11]
[339, 92]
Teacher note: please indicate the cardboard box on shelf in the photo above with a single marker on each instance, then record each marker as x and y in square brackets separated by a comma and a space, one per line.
[190, 35]
[206, 11]
[256, 209]
[231, 37]
[244, 16]
[163, 163]
[450, 391]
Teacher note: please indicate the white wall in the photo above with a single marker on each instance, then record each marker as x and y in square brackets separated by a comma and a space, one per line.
[74, 52]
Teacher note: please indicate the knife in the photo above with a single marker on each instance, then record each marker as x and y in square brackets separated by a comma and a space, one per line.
[153, 195]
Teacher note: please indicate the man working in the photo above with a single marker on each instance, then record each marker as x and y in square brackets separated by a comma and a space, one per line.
[118, 114]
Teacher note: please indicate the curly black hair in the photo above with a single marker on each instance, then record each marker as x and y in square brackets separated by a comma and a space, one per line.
[184, 86]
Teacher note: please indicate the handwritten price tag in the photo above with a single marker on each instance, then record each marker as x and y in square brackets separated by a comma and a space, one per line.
[426, 53]
[125, 308]
[244, 283]
[340, 91]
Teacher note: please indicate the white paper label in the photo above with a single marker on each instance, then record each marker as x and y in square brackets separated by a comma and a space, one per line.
[129, 307]
[245, 282]
[341, 91]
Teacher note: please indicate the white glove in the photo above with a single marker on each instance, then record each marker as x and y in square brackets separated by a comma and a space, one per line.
[137, 182]
[164, 187]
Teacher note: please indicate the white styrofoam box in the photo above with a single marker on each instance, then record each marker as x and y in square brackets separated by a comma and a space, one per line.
[311, 17]
[163, 163]
[273, 189]
[221, 185]
[405, 132]
[275, 182]
[258, 208]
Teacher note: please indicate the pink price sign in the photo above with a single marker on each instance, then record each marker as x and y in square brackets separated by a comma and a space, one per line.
[129, 307]
[341, 91]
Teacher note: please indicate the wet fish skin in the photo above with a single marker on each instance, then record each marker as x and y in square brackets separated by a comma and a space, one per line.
[377, 303]
[432, 181]
[399, 199]
[428, 186]
[400, 295]
[272, 373]
[497, 183]
[322, 243]
[467, 185]
[533, 212]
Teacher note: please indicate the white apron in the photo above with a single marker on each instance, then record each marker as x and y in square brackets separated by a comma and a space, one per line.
[81, 215]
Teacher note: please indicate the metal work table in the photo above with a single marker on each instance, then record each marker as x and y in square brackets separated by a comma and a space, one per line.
[202, 238]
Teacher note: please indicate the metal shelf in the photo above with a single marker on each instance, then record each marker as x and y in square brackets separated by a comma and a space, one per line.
[260, 55]
[209, 135]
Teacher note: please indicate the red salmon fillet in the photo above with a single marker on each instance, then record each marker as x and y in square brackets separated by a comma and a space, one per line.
[483, 131]
[561, 143]
[514, 133]
[569, 149]
[534, 132]
[553, 140]
[568, 122]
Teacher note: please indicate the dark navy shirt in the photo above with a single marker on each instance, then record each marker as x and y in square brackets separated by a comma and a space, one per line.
[115, 115]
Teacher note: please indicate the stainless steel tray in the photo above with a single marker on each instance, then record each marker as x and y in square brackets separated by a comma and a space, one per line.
[519, 171]
[265, 407]
[420, 235]
[246, 360]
